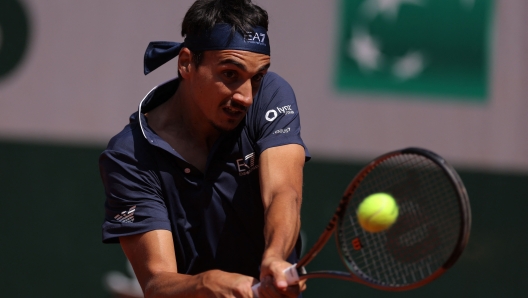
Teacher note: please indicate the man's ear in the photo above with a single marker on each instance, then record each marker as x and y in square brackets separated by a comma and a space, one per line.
[184, 62]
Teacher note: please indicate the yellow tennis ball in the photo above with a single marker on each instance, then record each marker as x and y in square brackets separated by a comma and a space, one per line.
[377, 212]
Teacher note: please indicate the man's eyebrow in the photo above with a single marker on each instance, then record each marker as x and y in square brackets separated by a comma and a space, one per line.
[264, 67]
[234, 62]
[240, 65]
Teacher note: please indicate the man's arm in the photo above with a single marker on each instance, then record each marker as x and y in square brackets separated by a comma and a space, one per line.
[281, 176]
[153, 259]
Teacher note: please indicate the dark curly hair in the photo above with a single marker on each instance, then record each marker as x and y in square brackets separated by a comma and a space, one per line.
[205, 14]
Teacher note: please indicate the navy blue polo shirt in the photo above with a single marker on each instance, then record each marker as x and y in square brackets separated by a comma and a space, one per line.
[217, 217]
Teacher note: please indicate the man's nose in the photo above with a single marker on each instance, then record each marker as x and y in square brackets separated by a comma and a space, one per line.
[244, 94]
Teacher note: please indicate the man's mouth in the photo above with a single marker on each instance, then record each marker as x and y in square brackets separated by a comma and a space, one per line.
[233, 113]
[234, 109]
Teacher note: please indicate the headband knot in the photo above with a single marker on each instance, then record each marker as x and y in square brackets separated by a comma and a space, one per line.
[220, 37]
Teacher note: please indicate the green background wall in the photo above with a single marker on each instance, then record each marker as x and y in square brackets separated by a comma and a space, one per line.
[52, 208]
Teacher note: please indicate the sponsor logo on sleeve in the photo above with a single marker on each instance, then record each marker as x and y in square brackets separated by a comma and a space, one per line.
[274, 113]
[282, 130]
[126, 216]
[271, 115]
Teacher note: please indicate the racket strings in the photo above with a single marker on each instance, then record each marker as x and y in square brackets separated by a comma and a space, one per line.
[425, 233]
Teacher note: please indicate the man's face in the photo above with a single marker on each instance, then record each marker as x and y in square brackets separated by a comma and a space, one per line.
[224, 84]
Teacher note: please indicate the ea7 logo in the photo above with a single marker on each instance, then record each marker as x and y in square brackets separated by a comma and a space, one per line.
[126, 216]
[247, 164]
[255, 37]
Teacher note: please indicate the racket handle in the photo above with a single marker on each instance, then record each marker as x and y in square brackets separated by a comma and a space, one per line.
[292, 276]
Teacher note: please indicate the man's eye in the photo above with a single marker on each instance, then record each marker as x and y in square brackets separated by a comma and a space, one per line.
[229, 74]
[258, 78]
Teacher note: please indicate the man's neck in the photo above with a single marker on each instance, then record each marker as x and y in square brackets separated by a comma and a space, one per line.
[178, 123]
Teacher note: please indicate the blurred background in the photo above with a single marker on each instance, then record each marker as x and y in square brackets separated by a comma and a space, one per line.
[370, 76]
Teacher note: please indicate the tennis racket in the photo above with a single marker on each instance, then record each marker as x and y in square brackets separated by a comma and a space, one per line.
[428, 237]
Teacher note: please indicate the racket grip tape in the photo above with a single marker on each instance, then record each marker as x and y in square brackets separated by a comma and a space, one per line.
[292, 276]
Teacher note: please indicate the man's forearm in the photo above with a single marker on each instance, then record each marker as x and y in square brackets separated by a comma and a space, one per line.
[282, 224]
[212, 283]
[170, 284]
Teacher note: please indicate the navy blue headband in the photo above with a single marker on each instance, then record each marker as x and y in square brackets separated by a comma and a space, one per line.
[221, 37]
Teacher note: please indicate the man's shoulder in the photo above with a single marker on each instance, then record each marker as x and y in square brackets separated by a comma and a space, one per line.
[273, 88]
[127, 140]
[274, 80]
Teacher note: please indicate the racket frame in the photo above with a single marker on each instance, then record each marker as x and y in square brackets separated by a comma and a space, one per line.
[462, 241]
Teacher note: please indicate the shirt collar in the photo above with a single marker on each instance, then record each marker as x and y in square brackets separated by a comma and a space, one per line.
[154, 98]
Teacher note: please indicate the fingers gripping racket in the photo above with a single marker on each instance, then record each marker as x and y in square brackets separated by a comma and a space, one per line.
[428, 237]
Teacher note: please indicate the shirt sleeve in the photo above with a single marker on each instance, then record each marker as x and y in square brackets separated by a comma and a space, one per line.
[134, 201]
[274, 118]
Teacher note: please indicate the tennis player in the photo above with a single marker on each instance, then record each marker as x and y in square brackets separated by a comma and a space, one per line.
[204, 185]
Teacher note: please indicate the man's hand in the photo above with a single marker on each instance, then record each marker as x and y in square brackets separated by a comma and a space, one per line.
[273, 280]
[220, 284]
[153, 259]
